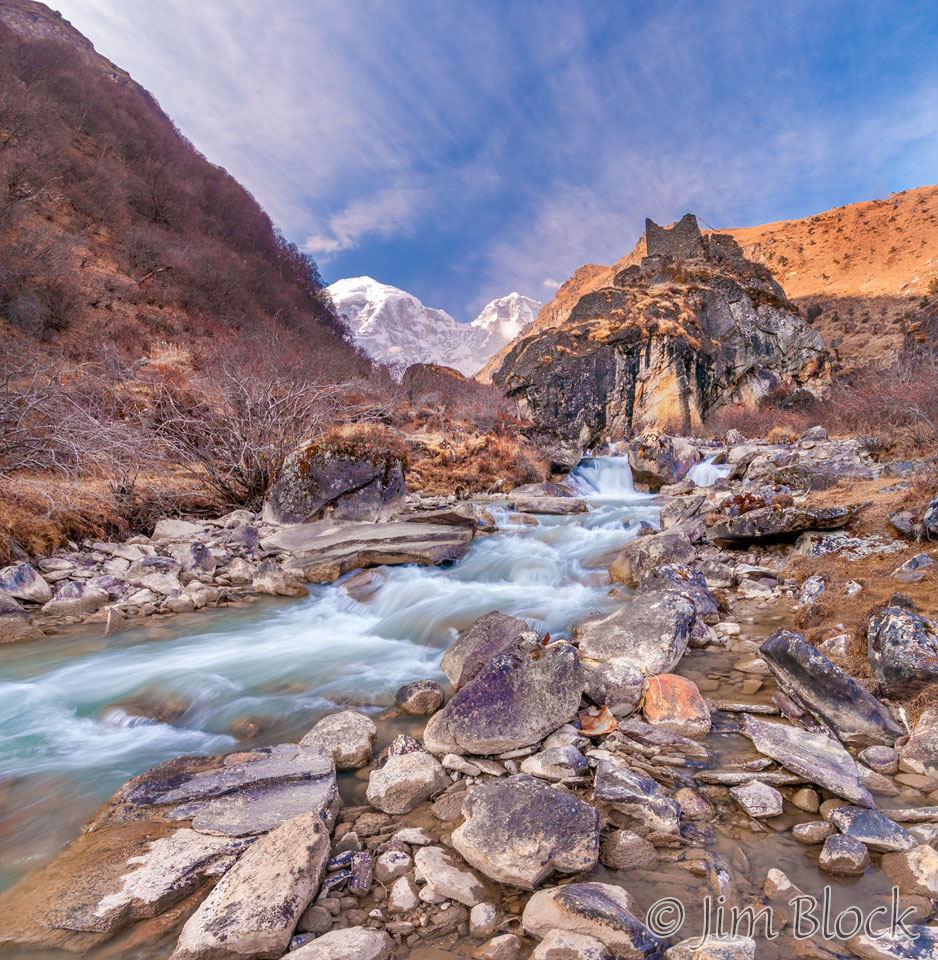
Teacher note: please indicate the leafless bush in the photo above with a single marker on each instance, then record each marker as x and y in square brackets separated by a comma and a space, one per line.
[72, 422]
[231, 429]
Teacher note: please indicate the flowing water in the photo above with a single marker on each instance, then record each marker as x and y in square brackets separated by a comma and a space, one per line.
[81, 713]
[706, 473]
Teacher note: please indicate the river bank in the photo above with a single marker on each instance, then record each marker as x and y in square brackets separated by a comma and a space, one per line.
[552, 575]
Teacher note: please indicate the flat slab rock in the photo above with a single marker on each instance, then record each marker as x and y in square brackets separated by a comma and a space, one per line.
[873, 829]
[326, 550]
[827, 693]
[520, 830]
[816, 757]
[253, 909]
[770, 523]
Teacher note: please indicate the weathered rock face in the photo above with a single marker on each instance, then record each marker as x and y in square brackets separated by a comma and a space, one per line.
[636, 802]
[409, 776]
[22, 582]
[655, 461]
[827, 693]
[520, 830]
[903, 650]
[645, 553]
[665, 345]
[348, 478]
[521, 695]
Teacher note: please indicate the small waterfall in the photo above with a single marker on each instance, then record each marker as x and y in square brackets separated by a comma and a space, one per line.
[605, 477]
[706, 473]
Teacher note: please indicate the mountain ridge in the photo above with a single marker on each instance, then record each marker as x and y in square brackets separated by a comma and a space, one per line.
[395, 327]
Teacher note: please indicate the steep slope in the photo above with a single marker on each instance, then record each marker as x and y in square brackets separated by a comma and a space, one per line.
[861, 270]
[395, 327]
[690, 329]
[118, 235]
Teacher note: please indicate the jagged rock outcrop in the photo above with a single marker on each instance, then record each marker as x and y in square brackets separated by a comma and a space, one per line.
[693, 328]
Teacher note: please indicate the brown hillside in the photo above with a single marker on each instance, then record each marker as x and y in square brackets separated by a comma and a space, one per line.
[867, 266]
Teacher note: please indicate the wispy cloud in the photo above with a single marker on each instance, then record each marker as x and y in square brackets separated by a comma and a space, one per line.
[465, 150]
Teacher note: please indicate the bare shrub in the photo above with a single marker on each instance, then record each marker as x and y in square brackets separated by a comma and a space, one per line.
[231, 428]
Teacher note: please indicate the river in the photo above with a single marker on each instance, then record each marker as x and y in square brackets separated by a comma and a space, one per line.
[80, 713]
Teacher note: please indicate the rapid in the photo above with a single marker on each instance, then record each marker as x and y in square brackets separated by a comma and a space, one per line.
[80, 713]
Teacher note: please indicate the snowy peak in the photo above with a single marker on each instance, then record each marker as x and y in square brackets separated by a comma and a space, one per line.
[506, 317]
[394, 327]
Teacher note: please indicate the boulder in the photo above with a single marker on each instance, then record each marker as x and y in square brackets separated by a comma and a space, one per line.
[625, 850]
[352, 943]
[420, 698]
[655, 462]
[447, 877]
[826, 692]
[520, 696]
[713, 948]
[390, 865]
[409, 776]
[194, 558]
[599, 910]
[814, 756]
[478, 643]
[482, 920]
[914, 872]
[628, 799]
[616, 684]
[757, 799]
[323, 551]
[566, 945]
[645, 553]
[271, 578]
[906, 523]
[551, 506]
[816, 831]
[930, 520]
[873, 829]
[75, 599]
[159, 574]
[22, 582]
[920, 754]
[686, 581]
[652, 630]
[546, 489]
[348, 737]
[556, 763]
[844, 855]
[504, 947]
[253, 909]
[913, 943]
[15, 622]
[903, 651]
[345, 478]
[520, 830]
[674, 703]
[772, 523]
[171, 528]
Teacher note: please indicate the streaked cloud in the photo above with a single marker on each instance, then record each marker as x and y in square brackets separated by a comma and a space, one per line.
[465, 150]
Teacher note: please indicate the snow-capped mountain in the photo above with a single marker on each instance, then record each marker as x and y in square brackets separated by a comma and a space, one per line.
[501, 321]
[394, 327]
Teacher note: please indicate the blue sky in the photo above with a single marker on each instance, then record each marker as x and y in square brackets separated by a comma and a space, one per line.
[464, 149]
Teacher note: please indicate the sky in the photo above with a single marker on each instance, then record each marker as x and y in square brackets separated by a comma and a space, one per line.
[464, 149]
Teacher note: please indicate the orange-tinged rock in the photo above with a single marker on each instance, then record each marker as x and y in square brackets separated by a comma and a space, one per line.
[675, 703]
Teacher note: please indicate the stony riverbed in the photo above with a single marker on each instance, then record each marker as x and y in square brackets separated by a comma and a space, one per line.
[604, 741]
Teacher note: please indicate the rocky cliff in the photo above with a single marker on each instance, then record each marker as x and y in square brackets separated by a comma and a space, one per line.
[689, 329]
